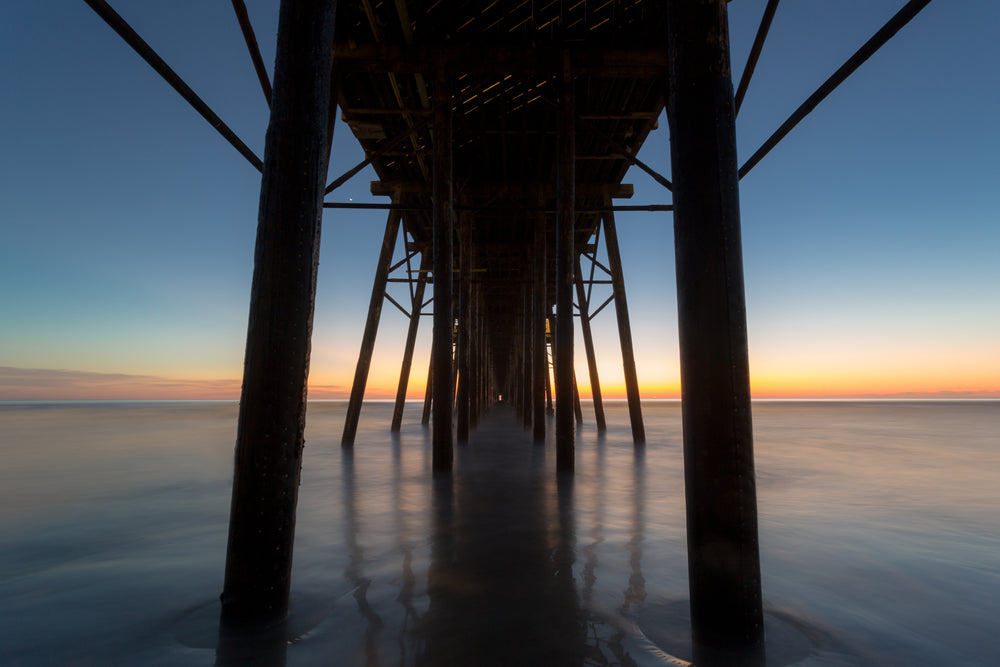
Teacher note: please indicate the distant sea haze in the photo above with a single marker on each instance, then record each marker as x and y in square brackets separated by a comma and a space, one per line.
[879, 532]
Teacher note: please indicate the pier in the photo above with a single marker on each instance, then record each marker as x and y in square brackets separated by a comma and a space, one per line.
[501, 134]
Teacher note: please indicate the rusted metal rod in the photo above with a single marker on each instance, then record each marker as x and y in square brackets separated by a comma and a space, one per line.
[139, 45]
[388, 146]
[270, 431]
[248, 36]
[758, 45]
[894, 25]
[628, 155]
[723, 555]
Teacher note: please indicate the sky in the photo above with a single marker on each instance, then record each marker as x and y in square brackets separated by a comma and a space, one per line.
[871, 236]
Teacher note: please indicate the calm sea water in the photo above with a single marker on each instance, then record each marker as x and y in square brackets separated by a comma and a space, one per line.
[879, 521]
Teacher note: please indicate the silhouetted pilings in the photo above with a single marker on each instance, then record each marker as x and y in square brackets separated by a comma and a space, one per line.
[463, 405]
[271, 423]
[443, 234]
[624, 328]
[565, 261]
[371, 329]
[416, 308]
[719, 475]
[540, 362]
[723, 556]
[588, 344]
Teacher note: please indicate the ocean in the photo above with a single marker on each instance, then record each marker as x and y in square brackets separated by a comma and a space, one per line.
[879, 532]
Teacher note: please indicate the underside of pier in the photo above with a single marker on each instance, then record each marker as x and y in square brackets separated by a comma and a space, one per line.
[501, 133]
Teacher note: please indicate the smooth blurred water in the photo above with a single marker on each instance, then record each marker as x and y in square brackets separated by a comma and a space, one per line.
[879, 521]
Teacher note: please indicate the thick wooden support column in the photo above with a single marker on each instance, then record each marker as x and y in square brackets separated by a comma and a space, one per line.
[443, 381]
[528, 357]
[723, 557]
[624, 329]
[425, 415]
[371, 330]
[550, 361]
[588, 344]
[475, 364]
[463, 403]
[540, 362]
[577, 406]
[411, 340]
[269, 436]
[565, 227]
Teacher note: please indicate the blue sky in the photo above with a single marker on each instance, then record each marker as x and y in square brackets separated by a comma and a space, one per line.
[871, 233]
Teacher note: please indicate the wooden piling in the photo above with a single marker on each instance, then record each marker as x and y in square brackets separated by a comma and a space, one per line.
[565, 227]
[371, 330]
[411, 339]
[723, 556]
[540, 304]
[425, 415]
[588, 344]
[476, 362]
[528, 358]
[624, 328]
[443, 388]
[463, 402]
[270, 431]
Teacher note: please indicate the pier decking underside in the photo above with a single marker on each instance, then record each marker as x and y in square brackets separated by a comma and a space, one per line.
[502, 73]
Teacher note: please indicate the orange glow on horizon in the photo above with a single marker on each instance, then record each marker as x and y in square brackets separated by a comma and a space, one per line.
[43, 385]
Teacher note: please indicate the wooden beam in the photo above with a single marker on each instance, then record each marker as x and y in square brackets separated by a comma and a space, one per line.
[501, 60]
[534, 191]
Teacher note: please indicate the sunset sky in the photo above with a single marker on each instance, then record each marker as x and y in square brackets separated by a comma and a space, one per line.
[871, 235]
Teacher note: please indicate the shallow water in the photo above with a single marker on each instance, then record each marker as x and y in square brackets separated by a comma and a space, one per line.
[880, 537]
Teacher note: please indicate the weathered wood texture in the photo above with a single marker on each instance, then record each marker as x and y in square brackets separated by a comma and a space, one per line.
[443, 387]
[723, 556]
[565, 258]
[271, 424]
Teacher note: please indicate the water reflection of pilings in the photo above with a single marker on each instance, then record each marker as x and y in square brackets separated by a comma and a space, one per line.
[596, 532]
[436, 626]
[408, 580]
[500, 583]
[252, 646]
[635, 594]
[354, 572]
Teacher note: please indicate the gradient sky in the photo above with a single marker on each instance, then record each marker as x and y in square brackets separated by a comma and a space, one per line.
[871, 235]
